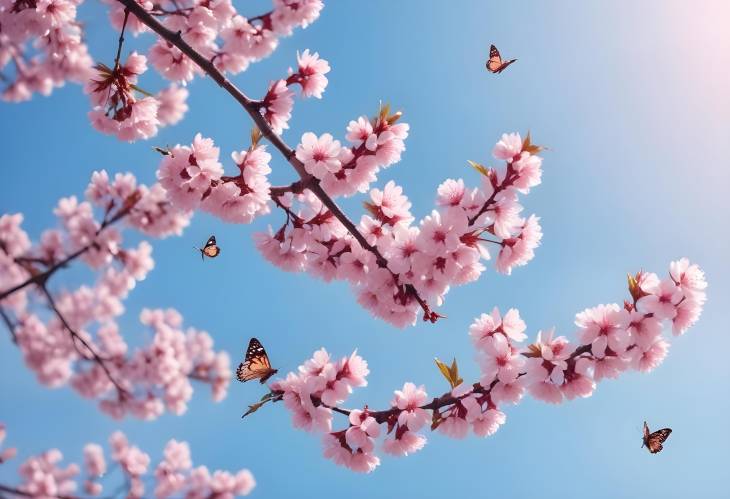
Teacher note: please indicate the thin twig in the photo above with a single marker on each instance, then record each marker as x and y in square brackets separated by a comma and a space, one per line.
[121, 40]
[9, 324]
[75, 336]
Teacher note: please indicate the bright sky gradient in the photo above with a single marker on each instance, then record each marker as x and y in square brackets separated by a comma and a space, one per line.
[631, 97]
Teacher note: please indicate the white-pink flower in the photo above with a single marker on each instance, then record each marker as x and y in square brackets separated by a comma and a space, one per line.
[319, 155]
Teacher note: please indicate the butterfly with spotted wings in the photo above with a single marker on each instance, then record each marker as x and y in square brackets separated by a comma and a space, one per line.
[211, 249]
[495, 63]
[256, 364]
[653, 441]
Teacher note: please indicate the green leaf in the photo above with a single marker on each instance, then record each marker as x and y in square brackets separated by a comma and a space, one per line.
[480, 168]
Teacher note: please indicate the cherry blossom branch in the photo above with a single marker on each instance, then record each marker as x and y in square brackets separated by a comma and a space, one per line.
[612, 340]
[84, 329]
[40, 278]
[253, 107]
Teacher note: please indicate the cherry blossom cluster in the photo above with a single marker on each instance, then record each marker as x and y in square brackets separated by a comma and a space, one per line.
[44, 475]
[218, 33]
[193, 178]
[612, 339]
[80, 343]
[44, 42]
[402, 264]
[118, 111]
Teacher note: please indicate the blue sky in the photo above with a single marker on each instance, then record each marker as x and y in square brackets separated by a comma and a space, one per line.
[632, 100]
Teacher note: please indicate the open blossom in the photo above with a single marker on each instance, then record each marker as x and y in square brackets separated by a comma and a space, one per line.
[409, 401]
[187, 172]
[319, 155]
[500, 361]
[662, 300]
[604, 327]
[311, 74]
[173, 105]
[390, 205]
[509, 146]
[277, 106]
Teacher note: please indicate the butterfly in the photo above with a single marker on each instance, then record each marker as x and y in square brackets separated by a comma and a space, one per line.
[495, 64]
[256, 364]
[211, 249]
[654, 441]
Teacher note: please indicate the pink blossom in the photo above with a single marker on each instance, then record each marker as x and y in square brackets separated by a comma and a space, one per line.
[604, 327]
[277, 106]
[319, 155]
[171, 63]
[689, 277]
[509, 146]
[441, 233]
[409, 401]
[649, 359]
[94, 460]
[311, 74]
[500, 361]
[172, 106]
[403, 444]
[488, 422]
[390, 205]
[644, 330]
[663, 300]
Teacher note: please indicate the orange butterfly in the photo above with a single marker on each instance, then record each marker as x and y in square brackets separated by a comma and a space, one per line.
[654, 441]
[256, 364]
[211, 249]
[495, 63]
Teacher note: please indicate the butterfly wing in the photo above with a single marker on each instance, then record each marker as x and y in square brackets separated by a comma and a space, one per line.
[504, 65]
[495, 60]
[211, 249]
[646, 434]
[256, 364]
[656, 439]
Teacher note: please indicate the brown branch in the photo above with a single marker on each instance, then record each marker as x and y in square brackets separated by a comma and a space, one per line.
[75, 336]
[252, 107]
[121, 40]
[508, 179]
